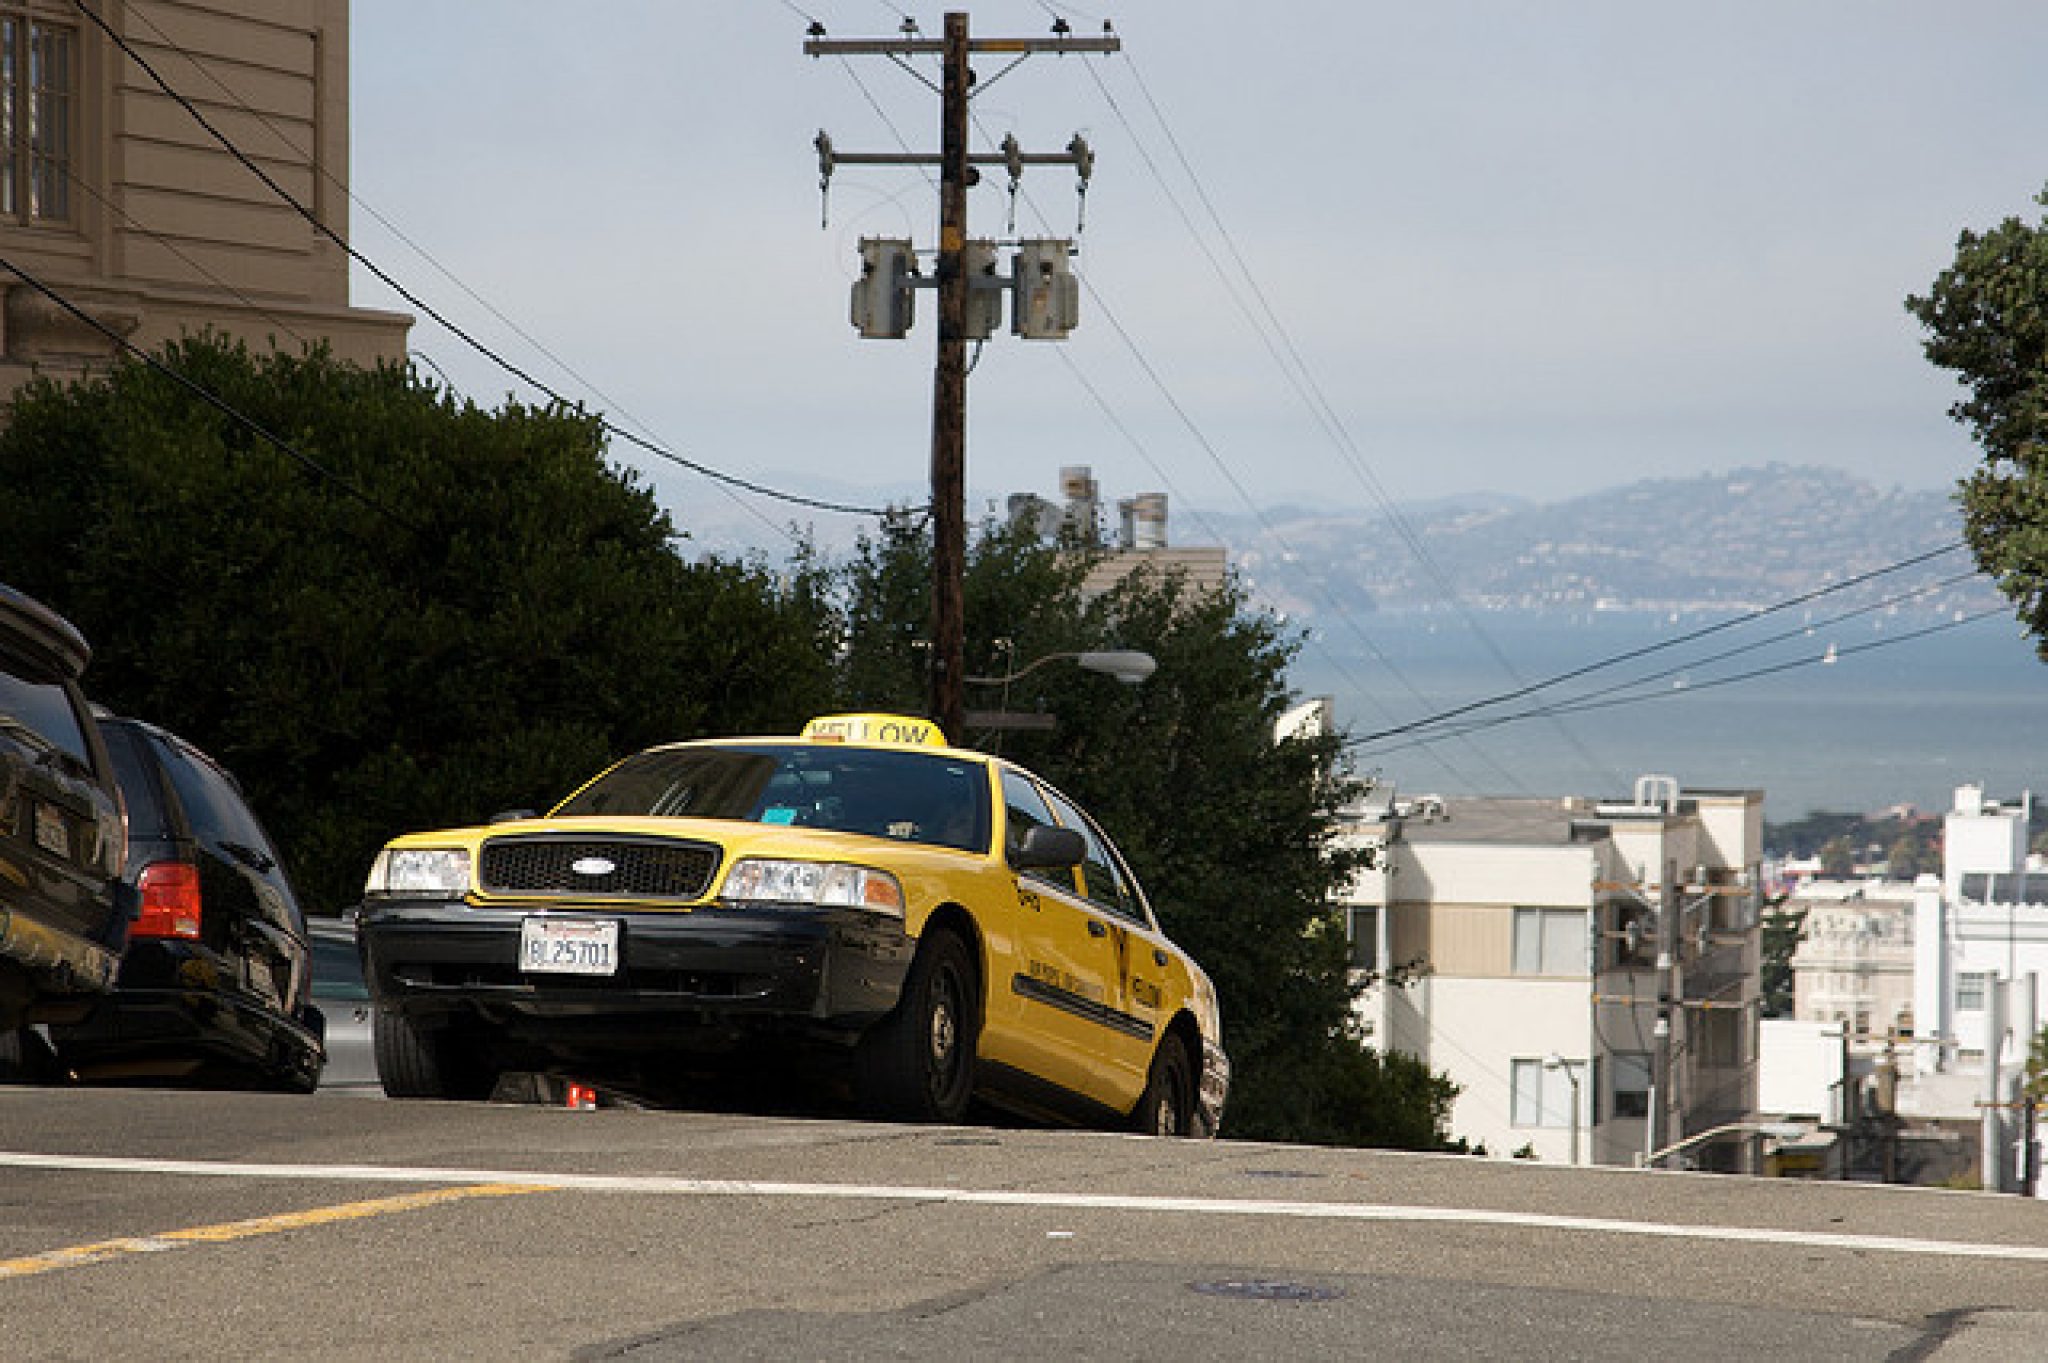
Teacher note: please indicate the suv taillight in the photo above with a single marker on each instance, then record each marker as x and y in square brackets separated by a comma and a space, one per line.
[170, 901]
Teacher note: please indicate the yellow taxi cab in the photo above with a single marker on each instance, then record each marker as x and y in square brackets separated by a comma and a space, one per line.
[945, 922]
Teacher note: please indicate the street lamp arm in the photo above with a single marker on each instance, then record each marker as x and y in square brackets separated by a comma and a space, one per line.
[1783, 1131]
[1128, 666]
[1025, 670]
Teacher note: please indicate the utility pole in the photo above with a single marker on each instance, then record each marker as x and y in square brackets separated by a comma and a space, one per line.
[949, 396]
[958, 323]
[1661, 1107]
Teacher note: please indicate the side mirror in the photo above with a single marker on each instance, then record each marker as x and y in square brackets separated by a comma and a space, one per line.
[1045, 845]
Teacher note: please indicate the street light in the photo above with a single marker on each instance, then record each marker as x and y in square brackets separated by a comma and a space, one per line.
[1127, 665]
[1554, 1061]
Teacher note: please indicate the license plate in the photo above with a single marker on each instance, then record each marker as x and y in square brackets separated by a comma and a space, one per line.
[53, 835]
[569, 946]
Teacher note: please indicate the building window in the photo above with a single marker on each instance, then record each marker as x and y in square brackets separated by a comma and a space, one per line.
[1550, 942]
[1970, 992]
[1541, 1097]
[1364, 927]
[38, 108]
[1631, 1071]
[1717, 1037]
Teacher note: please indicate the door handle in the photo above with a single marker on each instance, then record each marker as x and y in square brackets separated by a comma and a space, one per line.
[1096, 929]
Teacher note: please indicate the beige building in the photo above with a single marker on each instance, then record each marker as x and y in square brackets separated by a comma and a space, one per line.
[1515, 945]
[1141, 539]
[143, 225]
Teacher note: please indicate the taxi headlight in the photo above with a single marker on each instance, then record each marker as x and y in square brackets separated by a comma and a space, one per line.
[758, 880]
[420, 872]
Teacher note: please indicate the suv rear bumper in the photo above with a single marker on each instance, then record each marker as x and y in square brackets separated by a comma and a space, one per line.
[61, 961]
[211, 1037]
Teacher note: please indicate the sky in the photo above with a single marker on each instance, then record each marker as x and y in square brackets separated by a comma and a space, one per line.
[1334, 251]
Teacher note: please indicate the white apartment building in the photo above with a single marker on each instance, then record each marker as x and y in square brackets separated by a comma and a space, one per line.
[1515, 945]
[1922, 979]
[1853, 966]
[1980, 956]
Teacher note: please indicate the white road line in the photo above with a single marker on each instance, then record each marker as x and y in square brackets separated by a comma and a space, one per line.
[661, 1186]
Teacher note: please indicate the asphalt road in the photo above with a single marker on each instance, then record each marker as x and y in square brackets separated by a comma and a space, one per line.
[166, 1226]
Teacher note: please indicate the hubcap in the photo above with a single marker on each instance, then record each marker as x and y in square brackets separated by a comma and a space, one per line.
[945, 1027]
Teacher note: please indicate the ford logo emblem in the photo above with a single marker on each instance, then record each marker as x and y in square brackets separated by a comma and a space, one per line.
[592, 866]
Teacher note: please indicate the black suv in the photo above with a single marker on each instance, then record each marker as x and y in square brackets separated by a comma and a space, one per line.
[215, 988]
[63, 910]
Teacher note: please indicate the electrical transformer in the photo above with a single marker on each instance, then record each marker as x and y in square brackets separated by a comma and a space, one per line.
[1048, 302]
[884, 295]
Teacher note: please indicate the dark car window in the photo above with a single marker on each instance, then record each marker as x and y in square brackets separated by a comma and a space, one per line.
[148, 816]
[1025, 809]
[909, 796]
[211, 802]
[337, 969]
[36, 711]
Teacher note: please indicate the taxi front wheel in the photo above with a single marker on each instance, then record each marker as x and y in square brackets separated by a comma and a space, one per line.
[918, 1063]
[415, 1063]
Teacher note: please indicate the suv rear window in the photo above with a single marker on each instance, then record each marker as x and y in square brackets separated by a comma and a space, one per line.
[36, 711]
[211, 801]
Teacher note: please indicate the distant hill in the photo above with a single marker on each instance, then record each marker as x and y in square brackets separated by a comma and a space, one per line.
[1716, 542]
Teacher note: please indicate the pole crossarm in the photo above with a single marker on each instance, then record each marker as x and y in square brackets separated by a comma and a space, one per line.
[829, 156]
[932, 47]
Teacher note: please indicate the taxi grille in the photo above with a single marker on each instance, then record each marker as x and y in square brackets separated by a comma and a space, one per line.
[577, 866]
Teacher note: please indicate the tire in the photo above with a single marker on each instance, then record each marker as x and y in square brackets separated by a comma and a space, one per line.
[1168, 1106]
[917, 1065]
[414, 1063]
[24, 1059]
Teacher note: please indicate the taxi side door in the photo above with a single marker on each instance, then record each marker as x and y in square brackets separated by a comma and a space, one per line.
[1062, 992]
[1134, 970]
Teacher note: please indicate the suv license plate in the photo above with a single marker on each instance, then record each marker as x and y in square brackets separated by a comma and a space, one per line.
[569, 946]
[52, 834]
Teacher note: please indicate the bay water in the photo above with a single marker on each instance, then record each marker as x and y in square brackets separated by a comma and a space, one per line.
[1854, 716]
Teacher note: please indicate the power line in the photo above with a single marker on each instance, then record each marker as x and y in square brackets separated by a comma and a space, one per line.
[1201, 438]
[1629, 655]
[269, 182]
[208, 396]
[393, 228]
[1287, 357]
[1583, 705]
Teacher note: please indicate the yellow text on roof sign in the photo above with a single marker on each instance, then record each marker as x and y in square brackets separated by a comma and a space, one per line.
[876, 729]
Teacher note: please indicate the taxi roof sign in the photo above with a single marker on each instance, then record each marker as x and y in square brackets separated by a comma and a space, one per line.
[877, 729]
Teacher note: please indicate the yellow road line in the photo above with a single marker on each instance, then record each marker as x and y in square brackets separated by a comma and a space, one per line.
[78, 1256]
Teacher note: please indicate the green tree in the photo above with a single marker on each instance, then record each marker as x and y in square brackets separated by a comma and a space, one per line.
[429, 613]
[1228, 830]
[1986, 316]
[1909, 855]
[1782, 928]
[1838, 858]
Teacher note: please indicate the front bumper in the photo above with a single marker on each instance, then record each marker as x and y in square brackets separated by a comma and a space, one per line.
[707, 969]
[1213, 1089]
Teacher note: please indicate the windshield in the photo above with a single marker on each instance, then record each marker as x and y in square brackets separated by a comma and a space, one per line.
[908, 796]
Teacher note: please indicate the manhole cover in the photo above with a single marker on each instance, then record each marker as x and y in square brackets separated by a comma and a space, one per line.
[1267, 1289]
